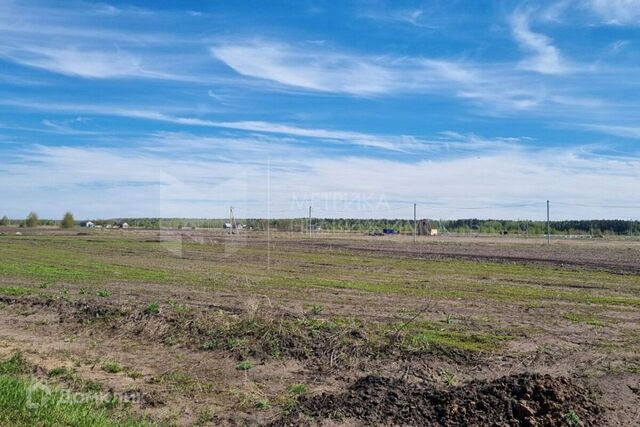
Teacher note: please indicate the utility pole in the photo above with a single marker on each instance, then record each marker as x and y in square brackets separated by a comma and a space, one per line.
[415, 224]
[232, 221]
[309, 224]
[548, 226]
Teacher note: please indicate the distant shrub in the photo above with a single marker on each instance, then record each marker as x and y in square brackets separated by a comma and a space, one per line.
[32, 220]
[68, 221]
[4, 220]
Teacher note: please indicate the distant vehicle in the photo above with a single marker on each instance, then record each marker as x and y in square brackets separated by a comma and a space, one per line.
[389, 231]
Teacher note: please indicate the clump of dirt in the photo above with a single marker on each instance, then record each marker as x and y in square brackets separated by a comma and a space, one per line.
[516, 400]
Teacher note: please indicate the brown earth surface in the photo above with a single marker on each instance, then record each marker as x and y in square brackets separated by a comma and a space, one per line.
[563, 356]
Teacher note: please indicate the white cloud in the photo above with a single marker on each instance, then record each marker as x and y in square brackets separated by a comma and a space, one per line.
[402, 143]
[413, 17]
[81, 62]
[121, 182]
[616, 12]
[496, 87]
[330, 72]
[615, 130]
[546, 58]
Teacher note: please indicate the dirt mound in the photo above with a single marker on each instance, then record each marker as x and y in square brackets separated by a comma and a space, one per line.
[517, 400]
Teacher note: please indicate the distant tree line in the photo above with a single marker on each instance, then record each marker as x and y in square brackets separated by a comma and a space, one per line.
[483, 226]
[595, 228]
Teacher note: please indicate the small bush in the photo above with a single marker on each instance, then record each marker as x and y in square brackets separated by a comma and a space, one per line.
[4, 221]
[104, 293]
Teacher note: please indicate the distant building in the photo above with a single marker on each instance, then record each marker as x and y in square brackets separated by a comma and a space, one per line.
[124, 225]
[89, 224]
[425, 228]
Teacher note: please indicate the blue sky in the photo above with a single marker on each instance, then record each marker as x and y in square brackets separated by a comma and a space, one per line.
[469, 108]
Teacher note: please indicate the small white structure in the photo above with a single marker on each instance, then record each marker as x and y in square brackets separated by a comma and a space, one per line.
[89, 224]
[227, 225]
[125, 225]
[434, 232]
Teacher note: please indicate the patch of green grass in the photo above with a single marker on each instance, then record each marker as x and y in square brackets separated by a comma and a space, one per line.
[61, 371]
[153, 308]
[262, 404]
[104, 293]
[210, 344]
[448, 376]
[134, 374]
[182, 382]
[205, 417]
[423, 335]
[52, 408]
[572, 419]
[583, 318]
[15, 291]
[180, 309]
[297, 389]
[245, 365]
[234, 342]
[15, 365]
[23, 402]
[111, 367]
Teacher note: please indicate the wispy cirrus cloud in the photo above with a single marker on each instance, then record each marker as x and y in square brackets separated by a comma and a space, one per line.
[615, 130]
[415, 17]
[305, 68]
[545, 57]
[407, 143]
[81, 62]
[498, 87]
